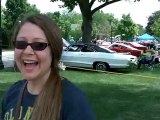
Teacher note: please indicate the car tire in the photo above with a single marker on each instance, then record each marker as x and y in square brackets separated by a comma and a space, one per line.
[101, 66]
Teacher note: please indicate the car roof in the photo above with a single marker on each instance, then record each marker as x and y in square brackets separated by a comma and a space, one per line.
[122, 44]
[136, 44]
[96, 47]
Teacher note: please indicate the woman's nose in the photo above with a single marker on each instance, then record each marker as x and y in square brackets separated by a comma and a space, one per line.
[28, 50]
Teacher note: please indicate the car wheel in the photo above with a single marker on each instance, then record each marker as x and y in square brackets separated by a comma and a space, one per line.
[101, 66]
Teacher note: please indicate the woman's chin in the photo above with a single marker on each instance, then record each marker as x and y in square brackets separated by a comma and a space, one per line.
[29, 74]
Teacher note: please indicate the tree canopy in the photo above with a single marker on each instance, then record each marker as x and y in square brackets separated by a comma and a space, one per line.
[127, 28]
[150, 28]
[87, 11]
[14, 11]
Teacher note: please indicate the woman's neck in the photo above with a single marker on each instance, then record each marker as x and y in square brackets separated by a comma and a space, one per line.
[35, 86]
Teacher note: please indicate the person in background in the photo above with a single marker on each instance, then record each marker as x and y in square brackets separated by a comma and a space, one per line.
[147, 58]
[94, 40]
[72, 41]
[43, 94]
[80, 41]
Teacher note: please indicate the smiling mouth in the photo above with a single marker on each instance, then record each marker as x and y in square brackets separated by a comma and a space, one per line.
[30, 64]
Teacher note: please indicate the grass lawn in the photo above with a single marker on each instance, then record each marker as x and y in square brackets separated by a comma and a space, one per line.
[131, 95]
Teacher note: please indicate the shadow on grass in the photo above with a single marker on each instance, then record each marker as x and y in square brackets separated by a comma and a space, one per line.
[118, 102]
[123, 102]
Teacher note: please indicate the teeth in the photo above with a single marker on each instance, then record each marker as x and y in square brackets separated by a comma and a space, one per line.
[29, 61]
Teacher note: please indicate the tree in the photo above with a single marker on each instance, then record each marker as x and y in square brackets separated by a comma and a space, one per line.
[127, 28]
[102, 23]
[141, 30]
[14, 11]
[151, 20]
[4, 29]
[87, 13]
[1, 62]
[68, 21]
[54, 16]
[62, 22]
[156, 27]
[65, 21]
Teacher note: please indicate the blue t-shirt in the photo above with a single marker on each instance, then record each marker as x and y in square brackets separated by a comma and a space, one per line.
[75, 105]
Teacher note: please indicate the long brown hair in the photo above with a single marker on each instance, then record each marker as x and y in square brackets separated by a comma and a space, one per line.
[48, 102]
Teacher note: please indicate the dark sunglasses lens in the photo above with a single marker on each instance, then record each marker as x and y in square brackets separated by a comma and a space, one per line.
[20, 44]
[39, 45]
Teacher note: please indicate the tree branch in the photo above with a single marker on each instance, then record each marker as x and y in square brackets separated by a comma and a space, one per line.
[91, 3]
[103, 5]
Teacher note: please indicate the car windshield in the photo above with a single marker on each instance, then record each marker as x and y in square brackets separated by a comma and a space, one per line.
[65, 43]
[72, 48]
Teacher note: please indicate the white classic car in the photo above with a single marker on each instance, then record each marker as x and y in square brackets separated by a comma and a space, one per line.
[8, 58]
[93, 56]
[65, 43]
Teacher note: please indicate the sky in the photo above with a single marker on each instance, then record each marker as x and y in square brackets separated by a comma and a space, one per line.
[139, 11]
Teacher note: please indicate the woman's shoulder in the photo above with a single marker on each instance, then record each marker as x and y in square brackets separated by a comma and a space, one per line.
[75, 104]
[17, 85]
[70, 88]
[14, 88]
[72, 93]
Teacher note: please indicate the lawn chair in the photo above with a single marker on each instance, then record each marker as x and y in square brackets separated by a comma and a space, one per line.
[146, 62]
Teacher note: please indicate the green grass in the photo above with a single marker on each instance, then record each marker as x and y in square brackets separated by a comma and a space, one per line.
[131, 95]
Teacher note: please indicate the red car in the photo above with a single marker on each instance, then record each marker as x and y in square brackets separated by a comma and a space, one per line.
[137, 45]
[123, 48]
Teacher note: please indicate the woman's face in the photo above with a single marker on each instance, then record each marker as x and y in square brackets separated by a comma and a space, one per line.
[33, 62]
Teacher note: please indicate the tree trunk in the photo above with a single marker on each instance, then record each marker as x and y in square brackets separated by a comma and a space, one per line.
[86, 28]
[1, 63]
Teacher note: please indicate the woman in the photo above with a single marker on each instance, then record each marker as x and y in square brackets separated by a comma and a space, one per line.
[43, 94]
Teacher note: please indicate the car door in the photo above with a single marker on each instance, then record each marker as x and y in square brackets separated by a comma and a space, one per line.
[115, 47]
[71, 56]
[125, 49]
[87, 56]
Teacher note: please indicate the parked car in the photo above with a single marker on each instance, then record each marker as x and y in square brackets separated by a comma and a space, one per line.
[123, 48]
[65, 43]
[103, 43]
[8, 58]
[95, 57]
[137, 46]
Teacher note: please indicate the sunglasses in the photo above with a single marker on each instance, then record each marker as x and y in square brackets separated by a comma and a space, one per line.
[38, 46]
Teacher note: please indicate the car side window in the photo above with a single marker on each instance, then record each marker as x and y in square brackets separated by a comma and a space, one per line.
[115, 46]
[123, 47]
[73, 48]
[91, 48]
[87, 49]
[84, 49]
[79, 49]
